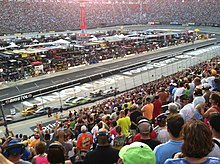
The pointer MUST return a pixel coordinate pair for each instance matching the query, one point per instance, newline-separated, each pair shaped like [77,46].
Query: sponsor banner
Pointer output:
[50,125]
[16,99]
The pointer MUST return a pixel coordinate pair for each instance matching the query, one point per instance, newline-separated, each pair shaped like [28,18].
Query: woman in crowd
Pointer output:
[197,145]
[41,157]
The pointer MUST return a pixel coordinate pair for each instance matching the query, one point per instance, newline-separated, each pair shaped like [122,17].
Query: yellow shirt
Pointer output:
[125,124]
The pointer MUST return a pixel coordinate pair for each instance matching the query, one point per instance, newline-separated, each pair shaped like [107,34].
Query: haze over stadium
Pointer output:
[109,81]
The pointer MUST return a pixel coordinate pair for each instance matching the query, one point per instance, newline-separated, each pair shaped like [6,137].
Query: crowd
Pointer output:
[43,15]
[171,120]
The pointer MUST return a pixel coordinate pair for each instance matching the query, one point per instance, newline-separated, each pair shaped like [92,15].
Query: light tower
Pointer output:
[83,15]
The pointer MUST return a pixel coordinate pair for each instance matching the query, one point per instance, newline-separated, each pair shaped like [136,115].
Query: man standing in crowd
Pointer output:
[164,151]
[144,127]
[135,113]
[67,146]
[214,122]
[104,153]
[84,140]
[148,109]
[124,122]
[187,111]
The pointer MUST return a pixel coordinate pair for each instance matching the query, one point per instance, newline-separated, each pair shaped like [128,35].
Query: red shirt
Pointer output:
[84,141]
[157,108]
[137,137]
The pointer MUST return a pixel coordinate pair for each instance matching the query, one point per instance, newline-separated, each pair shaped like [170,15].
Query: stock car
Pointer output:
[42,110]
[74,101]
[29,111]
[8,118]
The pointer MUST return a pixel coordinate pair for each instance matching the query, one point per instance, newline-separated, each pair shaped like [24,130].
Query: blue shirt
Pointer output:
[210,160]
[167,150]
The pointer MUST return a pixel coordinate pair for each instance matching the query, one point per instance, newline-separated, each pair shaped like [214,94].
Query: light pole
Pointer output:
[5,121]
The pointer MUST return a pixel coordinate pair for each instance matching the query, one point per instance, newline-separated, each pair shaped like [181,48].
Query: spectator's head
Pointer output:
[197,139]
[197,81]
[47,137]
[122,113]
[55,154]
[148,100]
[40,147]
[137,153]
[175,123]
[83,129]
[103,137]
[198,92]
[61,135]
[14,150]
[162,120]
[214,121]
[172,108]
[214,99]
[144,128]
[184,99]
[206,86]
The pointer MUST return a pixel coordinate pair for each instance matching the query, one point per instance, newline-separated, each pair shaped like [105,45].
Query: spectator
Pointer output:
[198,97]
[157,106]
[120,139]
[215,105]
[197,144]
[187,111]
[124,122]
[41,157]
[174,126]
[161,129]
[84,140]
[148,109]
[56,154]
[144,127]
[141,152]
[67,146]
[172,108]
[216,85]
[104,153]
[135,113]
[14,152]
[214,122]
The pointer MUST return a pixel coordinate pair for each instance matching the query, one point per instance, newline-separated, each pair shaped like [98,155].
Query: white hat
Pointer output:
[206,86]
[83,128]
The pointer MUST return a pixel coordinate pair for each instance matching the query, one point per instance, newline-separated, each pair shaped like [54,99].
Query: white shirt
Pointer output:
[198,100]
[187,112]
[215,151]
[178,93]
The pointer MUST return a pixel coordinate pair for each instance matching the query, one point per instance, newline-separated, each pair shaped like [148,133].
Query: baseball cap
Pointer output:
[15,147]
[137,152]
[161,116]
[206,86]
[83,128]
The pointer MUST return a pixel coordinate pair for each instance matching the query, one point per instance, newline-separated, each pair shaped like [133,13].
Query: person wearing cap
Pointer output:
[198,97]
[187,111]
[165,151]
[161,128]
[214,122]
[103,153]
[136,153]
[84,140]
[14,151]
[144,127]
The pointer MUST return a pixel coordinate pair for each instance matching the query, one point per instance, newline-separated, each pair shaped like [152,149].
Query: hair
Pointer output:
[55,153]
[216,98]
[175,123]
[197,139]
[173,108]
[40,147]
[214,121]
[118,129]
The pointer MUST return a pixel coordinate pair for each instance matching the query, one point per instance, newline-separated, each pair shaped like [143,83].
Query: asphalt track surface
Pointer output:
[90,71]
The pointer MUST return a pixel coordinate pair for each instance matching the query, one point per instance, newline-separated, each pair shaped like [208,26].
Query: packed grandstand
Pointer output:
[60,15]
[171,120]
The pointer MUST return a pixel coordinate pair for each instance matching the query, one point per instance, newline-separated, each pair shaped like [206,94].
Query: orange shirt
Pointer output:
[147,111]
[84,141]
